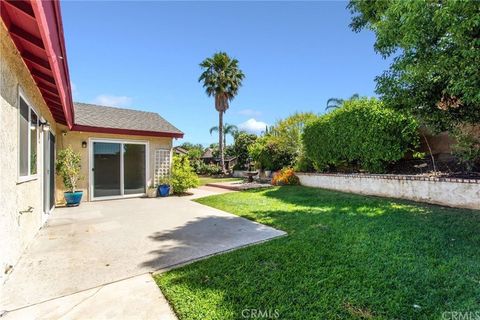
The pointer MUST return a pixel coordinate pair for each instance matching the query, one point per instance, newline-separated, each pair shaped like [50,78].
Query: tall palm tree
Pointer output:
[228,129]
[334,103]
[221,78]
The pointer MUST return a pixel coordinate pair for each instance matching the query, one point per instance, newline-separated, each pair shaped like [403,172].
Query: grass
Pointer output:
[345,257]
[205,180]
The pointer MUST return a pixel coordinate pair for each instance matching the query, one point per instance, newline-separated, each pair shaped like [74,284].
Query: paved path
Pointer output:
[99,244]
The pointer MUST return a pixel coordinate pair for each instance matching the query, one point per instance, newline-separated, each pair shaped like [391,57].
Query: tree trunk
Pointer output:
[220,140]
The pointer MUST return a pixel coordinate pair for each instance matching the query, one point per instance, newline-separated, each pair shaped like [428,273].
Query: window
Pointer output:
[28,132]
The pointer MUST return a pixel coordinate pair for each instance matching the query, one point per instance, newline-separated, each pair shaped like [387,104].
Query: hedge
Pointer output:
[362,133]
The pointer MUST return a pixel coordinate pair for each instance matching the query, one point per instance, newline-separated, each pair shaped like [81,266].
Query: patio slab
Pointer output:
[134,298]
[106,241]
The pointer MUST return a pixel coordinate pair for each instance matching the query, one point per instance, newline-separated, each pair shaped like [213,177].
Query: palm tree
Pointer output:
[335,103]
[230,129]
[222,78]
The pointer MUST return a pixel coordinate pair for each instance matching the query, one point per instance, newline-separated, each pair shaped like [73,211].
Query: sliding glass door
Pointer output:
[134,168]
[118,169]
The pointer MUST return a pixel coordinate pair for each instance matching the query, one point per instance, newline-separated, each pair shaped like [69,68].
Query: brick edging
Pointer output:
[391,177]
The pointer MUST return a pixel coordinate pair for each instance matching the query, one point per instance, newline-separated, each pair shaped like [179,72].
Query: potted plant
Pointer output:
[152,191]
[68,167]
[164,187]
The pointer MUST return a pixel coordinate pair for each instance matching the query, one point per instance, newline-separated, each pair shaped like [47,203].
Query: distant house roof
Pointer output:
[208,153]
[95,118]
[180,150]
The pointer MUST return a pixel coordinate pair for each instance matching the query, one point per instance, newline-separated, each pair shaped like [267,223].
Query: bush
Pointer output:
[68,167]
[271,154]
[202,168]
[467,147]
[361,133]
[183,176]
[286,176]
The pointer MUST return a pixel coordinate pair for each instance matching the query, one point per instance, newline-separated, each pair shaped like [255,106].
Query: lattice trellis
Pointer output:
[162,164]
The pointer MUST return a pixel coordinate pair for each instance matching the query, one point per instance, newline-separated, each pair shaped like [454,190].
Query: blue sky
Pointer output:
[145,55]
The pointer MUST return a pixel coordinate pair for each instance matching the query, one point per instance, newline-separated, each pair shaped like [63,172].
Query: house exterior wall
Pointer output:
[18,225]
[75,138]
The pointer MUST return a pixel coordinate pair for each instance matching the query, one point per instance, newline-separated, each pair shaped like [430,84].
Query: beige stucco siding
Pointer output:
[75,139]
[18,224]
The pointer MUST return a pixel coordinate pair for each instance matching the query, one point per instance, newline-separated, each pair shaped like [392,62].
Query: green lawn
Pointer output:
[205,180]
[345,257]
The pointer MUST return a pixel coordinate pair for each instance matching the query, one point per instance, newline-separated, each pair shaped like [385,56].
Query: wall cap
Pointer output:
[391,177]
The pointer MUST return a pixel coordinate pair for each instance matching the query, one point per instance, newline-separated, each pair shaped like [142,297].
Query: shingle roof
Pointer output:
[119,118]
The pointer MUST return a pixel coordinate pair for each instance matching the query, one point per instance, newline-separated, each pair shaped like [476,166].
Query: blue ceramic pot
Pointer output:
[73,198]
[164,190]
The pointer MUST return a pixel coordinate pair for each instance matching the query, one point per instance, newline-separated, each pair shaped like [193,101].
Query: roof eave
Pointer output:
[86,128]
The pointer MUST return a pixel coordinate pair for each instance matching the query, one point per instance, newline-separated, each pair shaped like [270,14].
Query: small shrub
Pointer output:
[68,167]
[467,148]
[362,133]
[183,176]
[286,176]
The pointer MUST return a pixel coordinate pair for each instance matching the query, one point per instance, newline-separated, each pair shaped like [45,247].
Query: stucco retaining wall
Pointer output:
[461,193]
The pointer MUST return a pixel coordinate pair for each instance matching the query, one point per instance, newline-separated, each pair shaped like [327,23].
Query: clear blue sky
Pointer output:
[145,55]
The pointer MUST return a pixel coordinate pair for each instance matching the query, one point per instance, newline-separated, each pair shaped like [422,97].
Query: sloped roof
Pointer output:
[120,120]
[208,153]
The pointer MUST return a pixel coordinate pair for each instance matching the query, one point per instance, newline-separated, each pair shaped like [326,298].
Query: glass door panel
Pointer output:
[106,169]
[134,168]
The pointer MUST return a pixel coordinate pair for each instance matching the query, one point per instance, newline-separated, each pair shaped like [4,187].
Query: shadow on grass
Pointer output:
[346,256]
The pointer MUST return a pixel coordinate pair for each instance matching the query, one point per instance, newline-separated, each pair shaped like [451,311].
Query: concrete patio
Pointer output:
[100,243]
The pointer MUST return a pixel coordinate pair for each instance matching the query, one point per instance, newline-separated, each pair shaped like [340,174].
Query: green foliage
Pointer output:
[288,133]
[436,44]
[282,145]
[362,132]
[240,148]
[68,167]
[183,177]
[210,169]
[467,148]
[335,103]
[271,154]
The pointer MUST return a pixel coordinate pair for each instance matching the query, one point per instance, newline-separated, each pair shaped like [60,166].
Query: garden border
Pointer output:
[453,192]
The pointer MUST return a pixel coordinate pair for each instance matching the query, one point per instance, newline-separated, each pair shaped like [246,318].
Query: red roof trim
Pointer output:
[77,127]
[49,21]
[35,27]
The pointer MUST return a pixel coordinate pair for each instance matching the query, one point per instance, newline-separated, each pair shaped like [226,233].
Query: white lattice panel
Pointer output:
[162,164]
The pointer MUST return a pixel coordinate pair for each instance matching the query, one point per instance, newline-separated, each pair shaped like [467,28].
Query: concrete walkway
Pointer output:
[90,249]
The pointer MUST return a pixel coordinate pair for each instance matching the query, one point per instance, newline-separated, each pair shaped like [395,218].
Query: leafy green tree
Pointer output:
[183,176]
[228,129]
[240,147]
[335,103]
[436,49]
[221,78]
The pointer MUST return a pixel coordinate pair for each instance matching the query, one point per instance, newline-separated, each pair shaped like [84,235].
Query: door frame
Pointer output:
[46,189]
[91,183]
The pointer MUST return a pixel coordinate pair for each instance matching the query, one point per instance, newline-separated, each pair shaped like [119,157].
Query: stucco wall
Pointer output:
[75,139]
[449,192]
[17,228]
